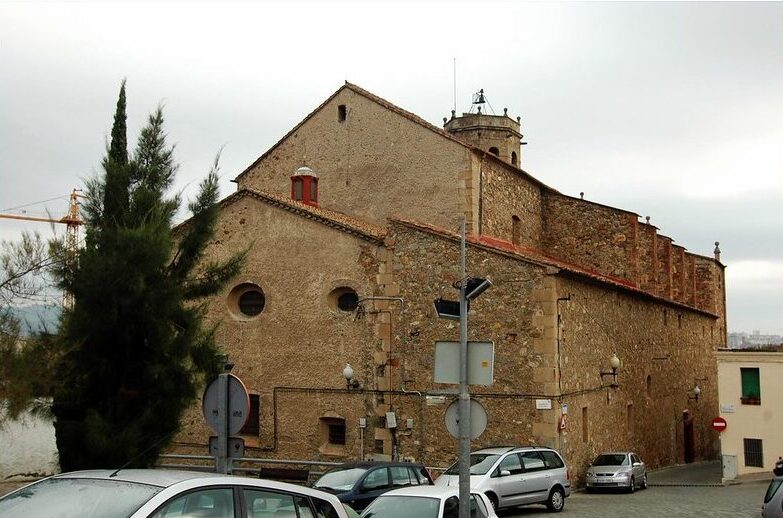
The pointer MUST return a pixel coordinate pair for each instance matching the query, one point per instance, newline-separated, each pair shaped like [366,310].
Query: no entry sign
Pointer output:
[719,424]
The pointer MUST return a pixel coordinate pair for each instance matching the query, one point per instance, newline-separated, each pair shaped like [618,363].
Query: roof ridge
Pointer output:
[334,218]
[400,111]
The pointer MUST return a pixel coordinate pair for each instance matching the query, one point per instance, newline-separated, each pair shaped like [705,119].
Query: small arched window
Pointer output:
[514,158]
[649,386]
[516,229]
[494,151]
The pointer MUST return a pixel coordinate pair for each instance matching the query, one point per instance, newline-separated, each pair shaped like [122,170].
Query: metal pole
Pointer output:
[464,396]
[221,464]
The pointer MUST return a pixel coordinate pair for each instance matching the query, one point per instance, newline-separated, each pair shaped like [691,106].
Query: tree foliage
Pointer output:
[134,348]
[25,361]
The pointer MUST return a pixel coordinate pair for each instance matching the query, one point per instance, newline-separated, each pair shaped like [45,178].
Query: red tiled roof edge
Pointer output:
[334,219]
[535,256]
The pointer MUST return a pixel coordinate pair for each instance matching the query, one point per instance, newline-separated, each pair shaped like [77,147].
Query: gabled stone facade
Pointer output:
[352,280]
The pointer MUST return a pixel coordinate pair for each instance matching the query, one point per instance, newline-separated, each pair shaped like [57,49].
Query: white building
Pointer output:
[750,392]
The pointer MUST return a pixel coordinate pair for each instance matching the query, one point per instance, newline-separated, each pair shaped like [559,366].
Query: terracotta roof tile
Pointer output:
[344,222]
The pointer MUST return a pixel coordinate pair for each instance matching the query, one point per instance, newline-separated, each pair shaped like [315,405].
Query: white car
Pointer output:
[426,502]
[148,493]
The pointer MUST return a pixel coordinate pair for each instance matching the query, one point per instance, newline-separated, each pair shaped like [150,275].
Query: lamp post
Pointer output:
[469,289]
[464,395]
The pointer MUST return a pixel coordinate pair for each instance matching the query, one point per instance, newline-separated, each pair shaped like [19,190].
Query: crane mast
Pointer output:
[73,221]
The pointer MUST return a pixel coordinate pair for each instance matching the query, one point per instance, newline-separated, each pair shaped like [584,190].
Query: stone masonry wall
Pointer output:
[662,357]
[593,236]
[300,340]
[373,165]
[506,194]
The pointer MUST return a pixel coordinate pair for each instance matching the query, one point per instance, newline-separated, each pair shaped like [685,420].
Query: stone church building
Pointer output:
[352,224]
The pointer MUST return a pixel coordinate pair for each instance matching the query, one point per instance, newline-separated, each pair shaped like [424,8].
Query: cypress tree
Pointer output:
[135,349]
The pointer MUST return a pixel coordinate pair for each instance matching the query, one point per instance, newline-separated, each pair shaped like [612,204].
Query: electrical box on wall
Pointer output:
[391,420]
[409,424]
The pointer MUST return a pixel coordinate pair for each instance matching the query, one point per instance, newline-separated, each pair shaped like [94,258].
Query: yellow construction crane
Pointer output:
[73,221]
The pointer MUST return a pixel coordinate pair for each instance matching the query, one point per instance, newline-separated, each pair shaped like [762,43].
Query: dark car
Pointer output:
[359,483]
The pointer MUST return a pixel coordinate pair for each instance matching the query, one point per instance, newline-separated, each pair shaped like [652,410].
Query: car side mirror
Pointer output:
[635,464]
[504,473]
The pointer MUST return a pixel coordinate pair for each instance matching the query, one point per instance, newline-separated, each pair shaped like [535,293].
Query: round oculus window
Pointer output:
[246,300]
[251,303]
[344,299]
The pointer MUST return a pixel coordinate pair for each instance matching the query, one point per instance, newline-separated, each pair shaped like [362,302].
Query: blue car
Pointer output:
[358,484]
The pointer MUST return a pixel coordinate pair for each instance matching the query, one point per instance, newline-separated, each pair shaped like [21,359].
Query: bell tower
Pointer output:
[497,134]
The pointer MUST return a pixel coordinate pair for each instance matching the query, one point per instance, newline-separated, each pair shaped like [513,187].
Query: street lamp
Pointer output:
[614,363]
[351,382]
[696,393]
[469,289]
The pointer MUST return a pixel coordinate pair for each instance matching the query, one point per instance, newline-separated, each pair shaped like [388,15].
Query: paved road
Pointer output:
[738,501]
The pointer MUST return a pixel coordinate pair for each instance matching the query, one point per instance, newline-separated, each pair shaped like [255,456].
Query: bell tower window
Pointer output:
[494,151]
[514,158]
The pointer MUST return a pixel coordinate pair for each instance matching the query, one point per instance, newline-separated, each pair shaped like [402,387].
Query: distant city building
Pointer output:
[752,341]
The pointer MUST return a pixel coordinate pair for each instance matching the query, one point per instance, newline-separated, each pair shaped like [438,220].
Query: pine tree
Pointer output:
[134,346]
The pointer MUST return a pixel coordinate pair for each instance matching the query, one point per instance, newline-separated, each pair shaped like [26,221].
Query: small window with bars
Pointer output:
[337,433]
[754,453]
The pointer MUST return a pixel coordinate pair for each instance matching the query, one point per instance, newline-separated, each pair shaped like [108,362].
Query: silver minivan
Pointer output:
[512,476]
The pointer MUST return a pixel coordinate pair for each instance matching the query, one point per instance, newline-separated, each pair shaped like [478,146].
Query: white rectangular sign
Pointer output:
[543,404]
[481,363]
[727,408]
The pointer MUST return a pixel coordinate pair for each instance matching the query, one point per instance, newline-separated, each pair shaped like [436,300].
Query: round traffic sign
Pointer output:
[237,404]
[718,424]
[478,418]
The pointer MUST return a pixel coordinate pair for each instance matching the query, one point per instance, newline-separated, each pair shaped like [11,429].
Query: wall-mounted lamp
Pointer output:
[351,382]
[696,393]
[614,363]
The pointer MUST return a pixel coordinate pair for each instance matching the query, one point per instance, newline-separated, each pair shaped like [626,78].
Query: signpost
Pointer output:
[719,424]
[226,405]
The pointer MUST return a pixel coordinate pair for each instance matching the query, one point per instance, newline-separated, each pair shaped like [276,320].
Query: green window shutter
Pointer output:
[751,387]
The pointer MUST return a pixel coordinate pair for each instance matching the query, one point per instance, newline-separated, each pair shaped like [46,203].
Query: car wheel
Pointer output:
[643,485]
[556,500]
[632,485]
[493,499]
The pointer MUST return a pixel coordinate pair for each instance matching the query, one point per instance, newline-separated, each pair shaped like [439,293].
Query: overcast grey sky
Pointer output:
[669,110]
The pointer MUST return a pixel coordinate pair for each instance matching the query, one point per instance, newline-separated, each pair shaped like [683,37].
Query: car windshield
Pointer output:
[77,498]
[611,459]
[772,489]
[341,479]
[388,506]
[480,464]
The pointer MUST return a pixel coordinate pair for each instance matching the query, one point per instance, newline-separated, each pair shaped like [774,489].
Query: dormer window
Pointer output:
[297,188]
[304,186]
